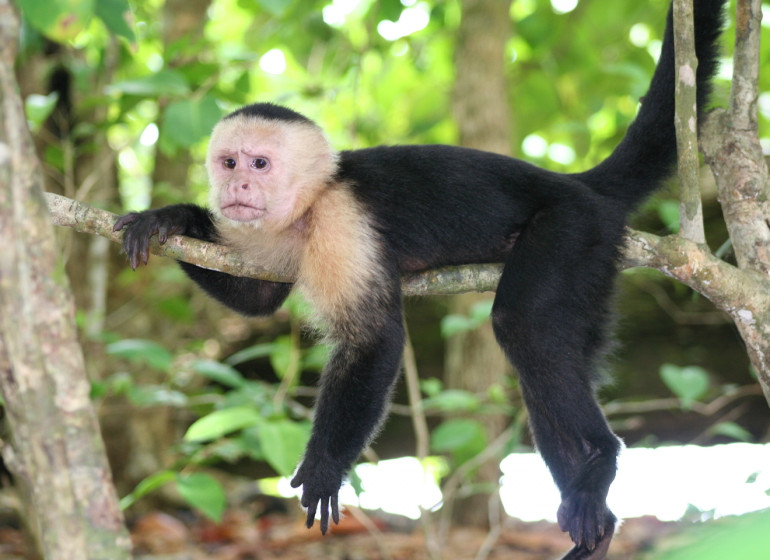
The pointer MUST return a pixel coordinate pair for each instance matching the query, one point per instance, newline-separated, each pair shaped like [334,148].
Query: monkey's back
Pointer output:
[439,205]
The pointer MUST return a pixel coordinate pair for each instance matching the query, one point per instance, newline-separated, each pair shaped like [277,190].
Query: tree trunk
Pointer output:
[474,361]
[56,452]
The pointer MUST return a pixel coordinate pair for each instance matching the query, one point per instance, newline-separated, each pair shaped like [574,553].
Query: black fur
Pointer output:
[270,111]
[559,236]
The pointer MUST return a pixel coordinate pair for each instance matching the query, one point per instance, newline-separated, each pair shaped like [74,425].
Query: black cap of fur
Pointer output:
[271,112]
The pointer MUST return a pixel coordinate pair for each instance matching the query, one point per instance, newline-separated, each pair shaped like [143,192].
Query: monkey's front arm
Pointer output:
[355,391]
[247,296]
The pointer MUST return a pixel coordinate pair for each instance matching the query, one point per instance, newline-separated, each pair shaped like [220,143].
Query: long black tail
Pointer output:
[647,154]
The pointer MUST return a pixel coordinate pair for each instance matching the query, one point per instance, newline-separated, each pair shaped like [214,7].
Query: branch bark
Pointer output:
[731,147]
[88,219]
[686,120]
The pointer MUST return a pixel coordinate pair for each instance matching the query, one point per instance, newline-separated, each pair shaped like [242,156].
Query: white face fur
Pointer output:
[266,173]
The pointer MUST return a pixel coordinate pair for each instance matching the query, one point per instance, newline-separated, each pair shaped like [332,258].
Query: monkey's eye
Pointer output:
[260,163]
[229,163]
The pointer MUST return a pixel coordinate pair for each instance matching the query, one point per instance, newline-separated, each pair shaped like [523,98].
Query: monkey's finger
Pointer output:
[144,250]
[123,221]
[311,514]
[335,510]
[131,249]
[324,515]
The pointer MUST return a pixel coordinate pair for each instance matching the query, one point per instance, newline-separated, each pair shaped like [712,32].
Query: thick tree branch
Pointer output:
[88,219]
[679,258]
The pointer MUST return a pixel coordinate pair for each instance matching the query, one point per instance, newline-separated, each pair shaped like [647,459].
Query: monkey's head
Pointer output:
[266,164]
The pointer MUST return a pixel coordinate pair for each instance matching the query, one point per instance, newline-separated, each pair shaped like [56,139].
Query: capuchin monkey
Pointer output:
[347,224]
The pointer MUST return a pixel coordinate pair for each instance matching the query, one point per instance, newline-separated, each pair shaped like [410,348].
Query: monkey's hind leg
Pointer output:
[549,316]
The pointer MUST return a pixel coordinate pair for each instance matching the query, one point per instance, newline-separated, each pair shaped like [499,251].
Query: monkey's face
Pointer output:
[266,173]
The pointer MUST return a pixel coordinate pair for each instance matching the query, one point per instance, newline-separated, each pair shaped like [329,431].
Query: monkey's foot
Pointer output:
[598,553]
[590,524]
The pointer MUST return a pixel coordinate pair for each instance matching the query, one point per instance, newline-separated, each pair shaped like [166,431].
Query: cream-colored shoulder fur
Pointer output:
[342,260]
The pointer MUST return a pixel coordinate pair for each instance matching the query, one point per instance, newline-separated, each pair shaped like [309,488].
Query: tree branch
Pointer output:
[686,122]
[676,257]
[87,219]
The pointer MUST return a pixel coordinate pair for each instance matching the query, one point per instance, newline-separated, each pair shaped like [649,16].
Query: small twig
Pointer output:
[453,483]
[292,369]
[679,316]
[495,525]
[372,529]
[704,409]
[422,435]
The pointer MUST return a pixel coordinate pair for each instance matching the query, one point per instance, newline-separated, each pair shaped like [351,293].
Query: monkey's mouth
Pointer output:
[242,212]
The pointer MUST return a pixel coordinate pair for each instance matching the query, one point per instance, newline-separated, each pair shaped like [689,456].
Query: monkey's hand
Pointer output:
[141,227]
[320,483]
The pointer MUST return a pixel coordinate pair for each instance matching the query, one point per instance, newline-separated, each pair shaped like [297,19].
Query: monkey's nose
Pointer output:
[245,186]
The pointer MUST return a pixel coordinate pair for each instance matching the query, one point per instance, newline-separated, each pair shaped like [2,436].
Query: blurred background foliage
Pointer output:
[121,96]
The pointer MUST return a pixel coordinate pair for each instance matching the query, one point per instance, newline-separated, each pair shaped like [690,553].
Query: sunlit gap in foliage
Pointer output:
[535,146]
[667,482]
[273,62]
[337,13]
[412,20]
[150,135]
[639,35]
[563,6]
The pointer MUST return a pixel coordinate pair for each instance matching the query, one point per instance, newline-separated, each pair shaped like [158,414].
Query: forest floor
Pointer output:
[277,536]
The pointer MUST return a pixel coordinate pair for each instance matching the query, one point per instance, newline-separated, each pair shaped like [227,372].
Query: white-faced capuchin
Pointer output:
[347,224]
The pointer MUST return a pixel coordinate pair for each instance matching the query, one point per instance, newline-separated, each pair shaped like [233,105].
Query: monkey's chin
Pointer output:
[242,213]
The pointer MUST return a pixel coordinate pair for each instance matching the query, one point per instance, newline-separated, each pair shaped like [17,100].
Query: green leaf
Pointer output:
[457,434]
[149,484]
[283,443]
[316,356]
[156,395]
[250,353]
[112,13]
[431,386]
[219,373]
[731,430]
[281,355]
[60,20]
[688,383]
[187,121]
[668,211]
[203,492]
[166,83]
[39,107]
[455,324]
[142,352]
[389,9]
[177,308]
[481,311]
[453,400]
[221,422]
[276,8]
